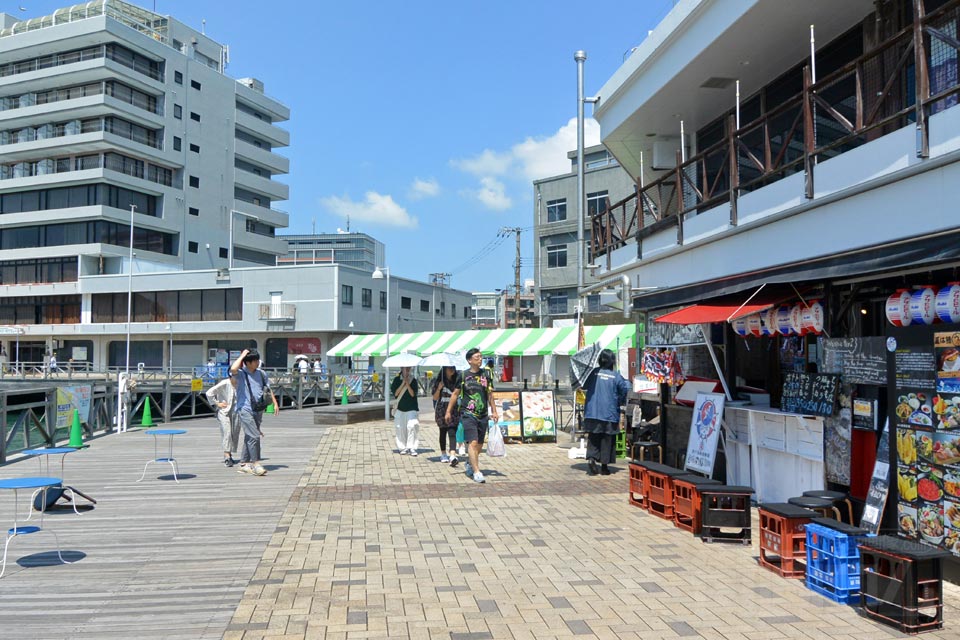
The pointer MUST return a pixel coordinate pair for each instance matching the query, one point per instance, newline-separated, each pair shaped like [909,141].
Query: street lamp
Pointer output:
[580,57]
[378,274]
[123,380]
[170,364]
[232,213]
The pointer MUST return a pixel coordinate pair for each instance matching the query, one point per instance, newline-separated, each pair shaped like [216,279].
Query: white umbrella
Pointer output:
[446,360]
[302,357]
[402,360]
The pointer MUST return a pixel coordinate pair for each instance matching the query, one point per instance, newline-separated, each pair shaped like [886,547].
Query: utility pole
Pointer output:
[505,231]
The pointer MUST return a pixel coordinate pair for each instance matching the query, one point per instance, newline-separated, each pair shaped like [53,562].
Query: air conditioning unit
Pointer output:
[665,153]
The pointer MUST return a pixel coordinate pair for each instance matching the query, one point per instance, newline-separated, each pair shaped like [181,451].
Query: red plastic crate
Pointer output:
[687,504]
[783,539]
[636,495]
[658,489]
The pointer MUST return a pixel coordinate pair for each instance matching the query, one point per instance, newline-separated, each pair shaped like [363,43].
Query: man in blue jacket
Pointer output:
[606,392]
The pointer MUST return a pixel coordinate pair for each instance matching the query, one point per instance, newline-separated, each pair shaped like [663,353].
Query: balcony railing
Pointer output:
[904,80]
[278,311]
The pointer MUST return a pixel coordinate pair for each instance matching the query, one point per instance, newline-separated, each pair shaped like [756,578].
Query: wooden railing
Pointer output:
[904,80]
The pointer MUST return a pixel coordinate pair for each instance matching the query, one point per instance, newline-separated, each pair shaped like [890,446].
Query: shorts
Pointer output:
[474,428]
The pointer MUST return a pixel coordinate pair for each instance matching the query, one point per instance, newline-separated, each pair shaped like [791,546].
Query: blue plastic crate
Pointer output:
[837,572]
[843,596]
[832,541]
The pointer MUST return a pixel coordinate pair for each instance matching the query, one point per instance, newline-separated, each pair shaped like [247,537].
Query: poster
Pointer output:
[538,417]
[704,433]
[353,384]
[947,351]
[70,398]
[879,486]
[508,406]
[837,437]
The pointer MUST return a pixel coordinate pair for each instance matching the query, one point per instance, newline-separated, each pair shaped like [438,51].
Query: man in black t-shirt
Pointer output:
[475,394]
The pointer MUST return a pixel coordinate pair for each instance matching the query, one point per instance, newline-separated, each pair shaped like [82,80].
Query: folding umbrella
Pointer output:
[402,360]
[444,359]
[583,363]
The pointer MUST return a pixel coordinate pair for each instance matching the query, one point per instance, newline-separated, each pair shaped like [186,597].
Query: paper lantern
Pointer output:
[740,327]
[769,318]
[948,303]
[754,325]
[796,319]
[812,317]
[783,321]
[898,308]
[923,306]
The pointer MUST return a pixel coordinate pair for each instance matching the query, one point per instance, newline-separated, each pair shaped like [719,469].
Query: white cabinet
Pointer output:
[779,454]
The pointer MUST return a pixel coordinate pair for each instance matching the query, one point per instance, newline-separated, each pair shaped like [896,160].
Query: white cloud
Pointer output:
[492,194]
[375,208]
[424,188]
[532,159]
[488,163]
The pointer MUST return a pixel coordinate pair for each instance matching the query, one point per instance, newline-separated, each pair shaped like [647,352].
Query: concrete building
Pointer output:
[116,122]
[485,310]
[555,229]
[352,249]
[507,302]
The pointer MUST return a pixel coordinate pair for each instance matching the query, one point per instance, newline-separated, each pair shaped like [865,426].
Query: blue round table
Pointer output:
[169,457]
[43,456]
[16,484]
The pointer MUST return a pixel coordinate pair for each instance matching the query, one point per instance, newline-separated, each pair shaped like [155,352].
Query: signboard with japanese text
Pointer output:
[704,433]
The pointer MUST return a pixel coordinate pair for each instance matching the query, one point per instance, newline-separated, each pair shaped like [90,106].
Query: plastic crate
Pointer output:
[620,444]
[783,539]
[723,508]
[843,596]
[636,496]
[833,562]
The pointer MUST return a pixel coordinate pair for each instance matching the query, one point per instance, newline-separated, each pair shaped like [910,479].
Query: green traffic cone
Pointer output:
[343,396]
[147,419]
[76,433]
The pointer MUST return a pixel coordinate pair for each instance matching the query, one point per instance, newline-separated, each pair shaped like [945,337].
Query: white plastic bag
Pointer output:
[495,446]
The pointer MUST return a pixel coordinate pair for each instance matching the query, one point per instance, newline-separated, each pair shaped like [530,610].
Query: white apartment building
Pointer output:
[115,120]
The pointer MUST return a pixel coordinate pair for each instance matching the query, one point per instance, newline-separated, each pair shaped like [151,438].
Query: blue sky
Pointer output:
[425,121]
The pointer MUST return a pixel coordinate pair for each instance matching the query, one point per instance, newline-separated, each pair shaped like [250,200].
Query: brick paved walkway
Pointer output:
[374,545]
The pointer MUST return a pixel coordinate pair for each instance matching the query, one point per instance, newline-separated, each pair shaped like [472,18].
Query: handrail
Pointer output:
[825,119]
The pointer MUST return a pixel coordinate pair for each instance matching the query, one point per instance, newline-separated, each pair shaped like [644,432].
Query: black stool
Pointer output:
[640,449]
[820,505]
[836,497]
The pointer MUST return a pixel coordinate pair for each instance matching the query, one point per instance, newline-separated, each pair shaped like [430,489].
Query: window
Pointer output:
[195,116]
[366,298]
[556,210]
[443,309]
[195,183]
[557,303]
[597,202]
[195,148]
[178,112]
[383,300]
[425,306]
[193,247]
[405,302]
[466,312]
[224,253]
[346,294]
[178,77]
[593,303]
[556,256]
[453,310]
[193,211]
[195,85]
[177,143]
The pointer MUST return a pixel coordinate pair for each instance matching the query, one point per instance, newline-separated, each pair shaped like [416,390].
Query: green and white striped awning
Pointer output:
[502,342]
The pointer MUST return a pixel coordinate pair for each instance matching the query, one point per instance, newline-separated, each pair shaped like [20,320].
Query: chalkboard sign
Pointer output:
[879,486]
[809,393]
[858,360]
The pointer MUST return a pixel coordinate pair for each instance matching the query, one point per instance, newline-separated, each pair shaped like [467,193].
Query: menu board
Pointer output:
[508,406]
[925,407]
[538,416]
[879,486]
[809,393]
[837,443]
[858,360]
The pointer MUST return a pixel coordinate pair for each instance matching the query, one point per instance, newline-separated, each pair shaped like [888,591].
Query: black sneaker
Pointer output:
[604,470]
[228,462]
[591,467]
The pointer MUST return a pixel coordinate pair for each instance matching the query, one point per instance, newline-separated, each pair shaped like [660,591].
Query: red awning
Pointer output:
[699,313]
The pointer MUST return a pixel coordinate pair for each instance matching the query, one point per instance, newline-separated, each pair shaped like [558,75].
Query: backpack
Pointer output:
[52,494]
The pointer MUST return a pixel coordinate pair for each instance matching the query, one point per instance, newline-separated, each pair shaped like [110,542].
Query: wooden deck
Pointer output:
[153,559]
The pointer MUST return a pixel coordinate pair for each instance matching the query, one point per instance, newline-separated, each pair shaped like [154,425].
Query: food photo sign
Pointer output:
[508,406]
[925,403]
[539,420]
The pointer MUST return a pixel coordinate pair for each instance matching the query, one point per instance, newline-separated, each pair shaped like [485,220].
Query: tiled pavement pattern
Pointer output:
[375,545]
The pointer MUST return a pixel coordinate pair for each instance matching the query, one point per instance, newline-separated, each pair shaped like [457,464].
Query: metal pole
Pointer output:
[386,375]
[580,57]
[230,262]
[170,364]
[133,209]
